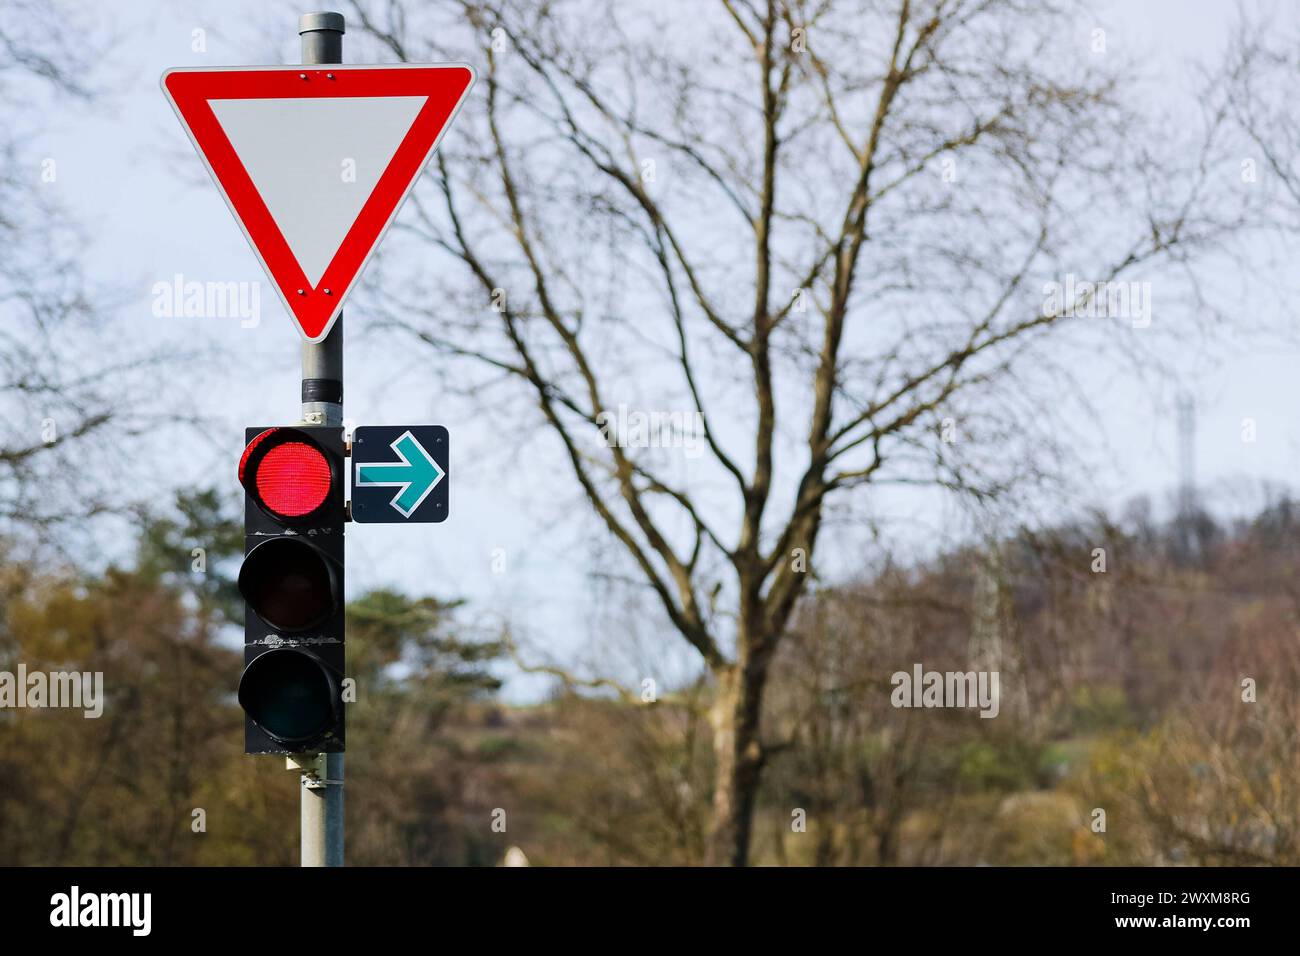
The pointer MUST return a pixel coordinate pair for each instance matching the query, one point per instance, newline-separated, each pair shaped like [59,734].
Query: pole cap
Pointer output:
[324,21]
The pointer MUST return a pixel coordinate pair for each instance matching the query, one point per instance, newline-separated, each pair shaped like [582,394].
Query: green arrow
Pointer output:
[416,475]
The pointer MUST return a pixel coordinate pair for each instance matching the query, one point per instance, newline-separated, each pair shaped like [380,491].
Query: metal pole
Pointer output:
[322,362]
[321,808]
[313,817]
[322,403]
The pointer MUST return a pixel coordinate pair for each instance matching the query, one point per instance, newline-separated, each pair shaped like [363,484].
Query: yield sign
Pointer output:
[314,162]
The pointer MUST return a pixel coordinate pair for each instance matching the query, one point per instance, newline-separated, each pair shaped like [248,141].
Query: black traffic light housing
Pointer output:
[292,583]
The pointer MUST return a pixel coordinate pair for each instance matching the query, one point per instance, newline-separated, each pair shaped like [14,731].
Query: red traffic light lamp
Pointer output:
[291,476]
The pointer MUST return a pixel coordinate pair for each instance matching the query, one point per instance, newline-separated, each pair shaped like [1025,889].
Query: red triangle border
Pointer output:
[192,89]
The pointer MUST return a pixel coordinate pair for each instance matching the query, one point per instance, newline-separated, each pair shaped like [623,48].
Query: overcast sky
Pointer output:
[129,174]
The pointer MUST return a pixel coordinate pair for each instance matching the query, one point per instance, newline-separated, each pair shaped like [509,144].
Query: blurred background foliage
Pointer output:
[1136,710]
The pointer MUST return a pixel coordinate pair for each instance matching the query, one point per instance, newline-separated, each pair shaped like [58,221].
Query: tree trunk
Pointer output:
[738,756]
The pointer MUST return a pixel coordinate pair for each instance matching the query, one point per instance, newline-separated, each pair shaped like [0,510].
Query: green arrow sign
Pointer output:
[415,475]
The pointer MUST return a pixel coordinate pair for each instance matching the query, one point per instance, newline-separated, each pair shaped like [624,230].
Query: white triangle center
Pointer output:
[315,161]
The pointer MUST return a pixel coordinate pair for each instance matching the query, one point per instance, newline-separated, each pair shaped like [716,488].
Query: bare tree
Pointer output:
[826,228]
[66,385]
[1261,70]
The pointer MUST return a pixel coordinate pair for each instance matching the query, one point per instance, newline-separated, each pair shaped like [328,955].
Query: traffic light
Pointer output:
[292,583]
